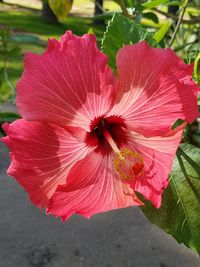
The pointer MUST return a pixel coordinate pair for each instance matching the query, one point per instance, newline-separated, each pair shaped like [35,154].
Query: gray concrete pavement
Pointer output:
[123,238]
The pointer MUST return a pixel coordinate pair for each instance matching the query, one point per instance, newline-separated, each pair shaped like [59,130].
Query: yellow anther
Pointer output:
[128,163]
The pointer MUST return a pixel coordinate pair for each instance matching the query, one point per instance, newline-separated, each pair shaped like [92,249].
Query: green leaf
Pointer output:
[105,16]
[174,3]
[159,35]
[152,16]
[5,91]
[196,137]
[128,3]
[197,68]
[61,8]
[90,30]
[14,51]
[7,117]
[122,31]
[154,3]
[179,214]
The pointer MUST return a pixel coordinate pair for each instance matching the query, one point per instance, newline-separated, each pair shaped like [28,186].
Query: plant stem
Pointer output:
[6,77]
[5,62]
[124,9]
[179,22]
[185,21]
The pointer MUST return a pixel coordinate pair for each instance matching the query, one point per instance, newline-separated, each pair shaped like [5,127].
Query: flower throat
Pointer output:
[109,134]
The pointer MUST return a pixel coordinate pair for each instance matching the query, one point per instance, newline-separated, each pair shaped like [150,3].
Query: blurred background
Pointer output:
[27,25]
[123,238]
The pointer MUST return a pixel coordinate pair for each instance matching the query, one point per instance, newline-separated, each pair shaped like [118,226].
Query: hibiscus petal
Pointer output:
[92,187]
[71,81]
[154,89]
[158,154]
[42,155]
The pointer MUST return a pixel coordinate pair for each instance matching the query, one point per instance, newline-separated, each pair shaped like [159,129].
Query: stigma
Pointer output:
[128,164]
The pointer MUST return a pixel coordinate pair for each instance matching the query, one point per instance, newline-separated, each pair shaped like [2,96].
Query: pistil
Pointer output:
[110,141]
[127,163]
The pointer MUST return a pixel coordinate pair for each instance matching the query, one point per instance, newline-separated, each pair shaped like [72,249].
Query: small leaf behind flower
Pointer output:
[123,31]
[7,117]
[197,68]
[179,214]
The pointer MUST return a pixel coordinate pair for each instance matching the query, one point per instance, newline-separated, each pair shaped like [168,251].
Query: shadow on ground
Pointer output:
[123,238]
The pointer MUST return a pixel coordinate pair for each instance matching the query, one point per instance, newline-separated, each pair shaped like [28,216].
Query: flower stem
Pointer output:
[179,22]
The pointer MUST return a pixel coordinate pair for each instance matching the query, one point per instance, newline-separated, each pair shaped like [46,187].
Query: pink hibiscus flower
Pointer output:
[89,140]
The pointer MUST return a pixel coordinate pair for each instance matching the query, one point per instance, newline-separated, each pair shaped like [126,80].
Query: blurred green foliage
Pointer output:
[28,31]
[61,8]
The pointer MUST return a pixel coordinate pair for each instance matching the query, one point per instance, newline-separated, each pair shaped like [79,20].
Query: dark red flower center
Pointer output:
[113,126]
[110,134]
